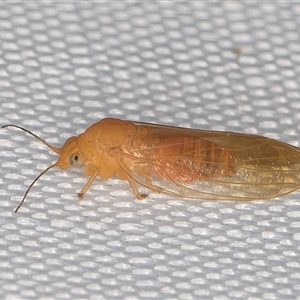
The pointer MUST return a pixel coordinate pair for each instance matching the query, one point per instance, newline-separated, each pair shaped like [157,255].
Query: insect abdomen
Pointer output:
[189,159]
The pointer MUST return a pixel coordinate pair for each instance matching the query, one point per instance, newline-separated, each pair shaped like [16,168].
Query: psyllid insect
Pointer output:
[183,162]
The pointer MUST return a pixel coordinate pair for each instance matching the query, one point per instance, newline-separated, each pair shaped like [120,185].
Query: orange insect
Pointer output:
[179,161]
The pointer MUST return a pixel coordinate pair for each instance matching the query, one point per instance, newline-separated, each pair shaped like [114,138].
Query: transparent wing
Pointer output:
[210,165]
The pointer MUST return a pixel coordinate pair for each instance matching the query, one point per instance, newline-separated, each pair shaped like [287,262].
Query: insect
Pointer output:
[183,162]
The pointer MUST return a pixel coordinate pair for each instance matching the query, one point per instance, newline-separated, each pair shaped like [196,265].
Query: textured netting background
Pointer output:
[222,66]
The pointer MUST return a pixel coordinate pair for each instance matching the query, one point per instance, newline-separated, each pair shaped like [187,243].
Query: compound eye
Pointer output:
[75,160]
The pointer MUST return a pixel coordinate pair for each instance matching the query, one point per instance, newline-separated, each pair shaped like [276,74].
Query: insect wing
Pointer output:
[210,165]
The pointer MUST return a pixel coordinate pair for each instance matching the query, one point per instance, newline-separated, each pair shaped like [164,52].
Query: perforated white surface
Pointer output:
[230,66]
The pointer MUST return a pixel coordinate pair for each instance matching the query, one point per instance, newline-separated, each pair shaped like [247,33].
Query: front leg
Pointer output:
[87,186]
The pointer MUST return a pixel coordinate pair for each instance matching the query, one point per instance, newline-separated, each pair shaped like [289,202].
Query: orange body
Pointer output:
[184,162]
[145,149]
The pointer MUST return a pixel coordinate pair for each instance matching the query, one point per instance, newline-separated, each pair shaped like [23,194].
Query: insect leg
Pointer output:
[86,187]
[135,189]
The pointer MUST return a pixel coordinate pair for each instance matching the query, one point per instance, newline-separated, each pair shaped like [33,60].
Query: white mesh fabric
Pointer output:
[223,66]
